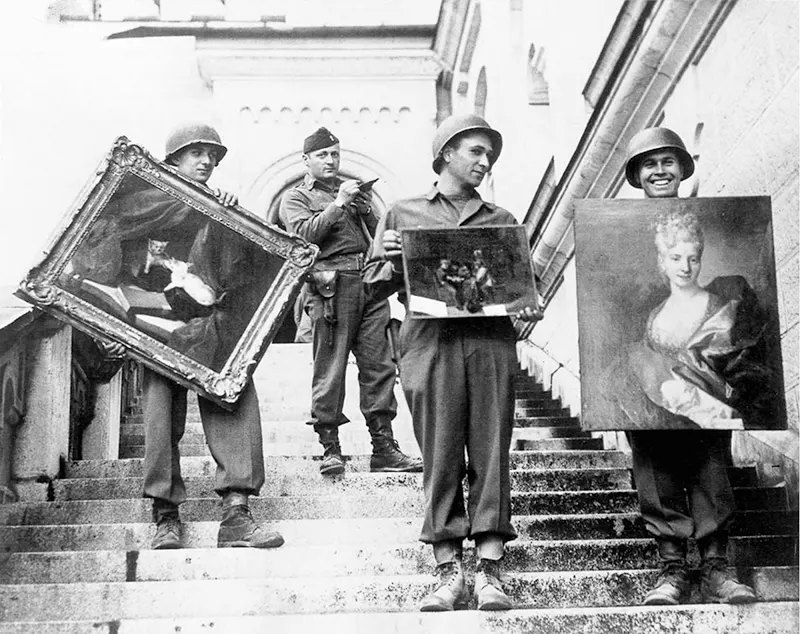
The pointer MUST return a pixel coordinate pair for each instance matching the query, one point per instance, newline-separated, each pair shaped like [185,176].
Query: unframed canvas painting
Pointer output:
[678,314]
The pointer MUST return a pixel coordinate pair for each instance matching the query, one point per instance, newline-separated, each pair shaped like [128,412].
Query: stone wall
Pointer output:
[737,109]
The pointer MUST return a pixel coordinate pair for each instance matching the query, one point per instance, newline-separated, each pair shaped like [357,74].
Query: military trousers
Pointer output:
[234,439]
[457,376]
[360,327]
[682,481]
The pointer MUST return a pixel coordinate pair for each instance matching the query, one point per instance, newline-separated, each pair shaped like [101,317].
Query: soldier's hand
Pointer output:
[229,199]
[393,247]
[347,193]
[525,320]
[111,349]
[363,203]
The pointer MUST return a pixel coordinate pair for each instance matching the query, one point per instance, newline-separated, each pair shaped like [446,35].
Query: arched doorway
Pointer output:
[289,172]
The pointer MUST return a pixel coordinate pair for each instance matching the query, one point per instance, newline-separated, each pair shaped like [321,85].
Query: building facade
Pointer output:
[566,83]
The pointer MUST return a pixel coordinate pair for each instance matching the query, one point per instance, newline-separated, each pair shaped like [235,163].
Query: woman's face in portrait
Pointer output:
[681,264]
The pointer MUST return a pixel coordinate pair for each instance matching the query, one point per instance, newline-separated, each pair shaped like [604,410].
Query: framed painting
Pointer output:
[678,314]
[150,259]
[468,271]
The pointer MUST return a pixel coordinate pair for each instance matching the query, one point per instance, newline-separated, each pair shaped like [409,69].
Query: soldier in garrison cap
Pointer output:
[338,217]
[457,375]
[671,467]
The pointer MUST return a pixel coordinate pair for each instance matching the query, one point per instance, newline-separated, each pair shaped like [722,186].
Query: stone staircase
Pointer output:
[352,562]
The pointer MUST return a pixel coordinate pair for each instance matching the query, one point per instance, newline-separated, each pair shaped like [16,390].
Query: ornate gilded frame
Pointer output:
[288,257]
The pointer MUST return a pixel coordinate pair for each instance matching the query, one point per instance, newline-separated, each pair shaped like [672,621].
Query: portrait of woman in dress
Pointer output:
[701,362]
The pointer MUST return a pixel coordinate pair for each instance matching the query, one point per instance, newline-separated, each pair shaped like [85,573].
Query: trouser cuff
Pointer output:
[489,547]
[234,498]
[446,551]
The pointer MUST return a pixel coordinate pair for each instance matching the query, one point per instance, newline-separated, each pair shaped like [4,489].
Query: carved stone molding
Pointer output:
[656,56]
[284,64]
[277,114]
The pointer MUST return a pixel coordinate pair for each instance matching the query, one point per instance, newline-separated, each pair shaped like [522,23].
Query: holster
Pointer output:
[324,284]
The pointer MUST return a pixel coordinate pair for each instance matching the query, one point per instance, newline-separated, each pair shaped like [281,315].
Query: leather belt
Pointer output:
[347,262]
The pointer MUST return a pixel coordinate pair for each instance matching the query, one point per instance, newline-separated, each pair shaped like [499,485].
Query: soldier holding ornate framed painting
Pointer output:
[192,286]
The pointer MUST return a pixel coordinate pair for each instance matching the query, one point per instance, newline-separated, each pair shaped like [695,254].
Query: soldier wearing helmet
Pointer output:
[153,237]
[457,375]
[671,467]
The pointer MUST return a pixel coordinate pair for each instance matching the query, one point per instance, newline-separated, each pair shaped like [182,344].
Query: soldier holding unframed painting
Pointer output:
[681,476]
[457,376]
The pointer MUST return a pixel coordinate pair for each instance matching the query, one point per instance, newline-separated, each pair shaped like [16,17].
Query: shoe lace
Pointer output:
[168,523]
[490,570]
[672,572]
[447,573]
[718,567]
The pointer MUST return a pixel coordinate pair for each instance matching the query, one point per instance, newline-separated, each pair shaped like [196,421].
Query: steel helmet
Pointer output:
[192,133]
[455,125]
[651,139]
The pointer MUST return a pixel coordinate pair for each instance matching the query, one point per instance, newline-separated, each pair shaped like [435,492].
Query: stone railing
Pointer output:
[38,384]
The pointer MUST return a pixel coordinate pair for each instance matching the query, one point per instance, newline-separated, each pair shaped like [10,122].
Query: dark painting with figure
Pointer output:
[149,258]
[170,271]
[468,272]
[678,314]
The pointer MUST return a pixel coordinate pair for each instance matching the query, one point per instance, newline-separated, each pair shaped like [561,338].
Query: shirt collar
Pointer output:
[309,182]
[434,192]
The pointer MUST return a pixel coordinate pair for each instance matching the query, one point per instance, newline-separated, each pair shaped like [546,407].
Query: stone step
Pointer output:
[541,410]
[386,593]
[548,433]
[779,617]
[208,562]
[305,443]
[388,504]
[537,399]
[293,484]
[547,421]
[555,444]
[306,465]
[363,531]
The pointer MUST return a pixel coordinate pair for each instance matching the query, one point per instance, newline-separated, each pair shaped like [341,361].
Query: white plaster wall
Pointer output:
[65,95]
[387,121]
[572,34]
[745,91]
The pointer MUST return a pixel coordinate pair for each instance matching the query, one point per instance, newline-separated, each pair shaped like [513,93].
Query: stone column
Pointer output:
[42,440]
[101,437]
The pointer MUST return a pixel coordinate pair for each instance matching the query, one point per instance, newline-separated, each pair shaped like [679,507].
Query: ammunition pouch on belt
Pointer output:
[324,284]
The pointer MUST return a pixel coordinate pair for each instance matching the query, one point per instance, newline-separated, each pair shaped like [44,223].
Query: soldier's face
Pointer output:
[323,164]
[470,159]
[197,161]
[660,174]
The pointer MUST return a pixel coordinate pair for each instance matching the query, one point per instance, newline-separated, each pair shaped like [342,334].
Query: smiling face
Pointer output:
[681,263]
[323,164]
[660,174]
[197,161]
[469,159]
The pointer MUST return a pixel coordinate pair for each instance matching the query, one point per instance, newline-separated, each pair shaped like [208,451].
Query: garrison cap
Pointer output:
[322,138]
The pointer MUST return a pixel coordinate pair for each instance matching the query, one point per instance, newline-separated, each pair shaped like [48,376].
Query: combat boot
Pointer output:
[717,583]
[332,461]
[386,454]
[489,591]
[168,526]
[450,592]
[673,581]
[238,529]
